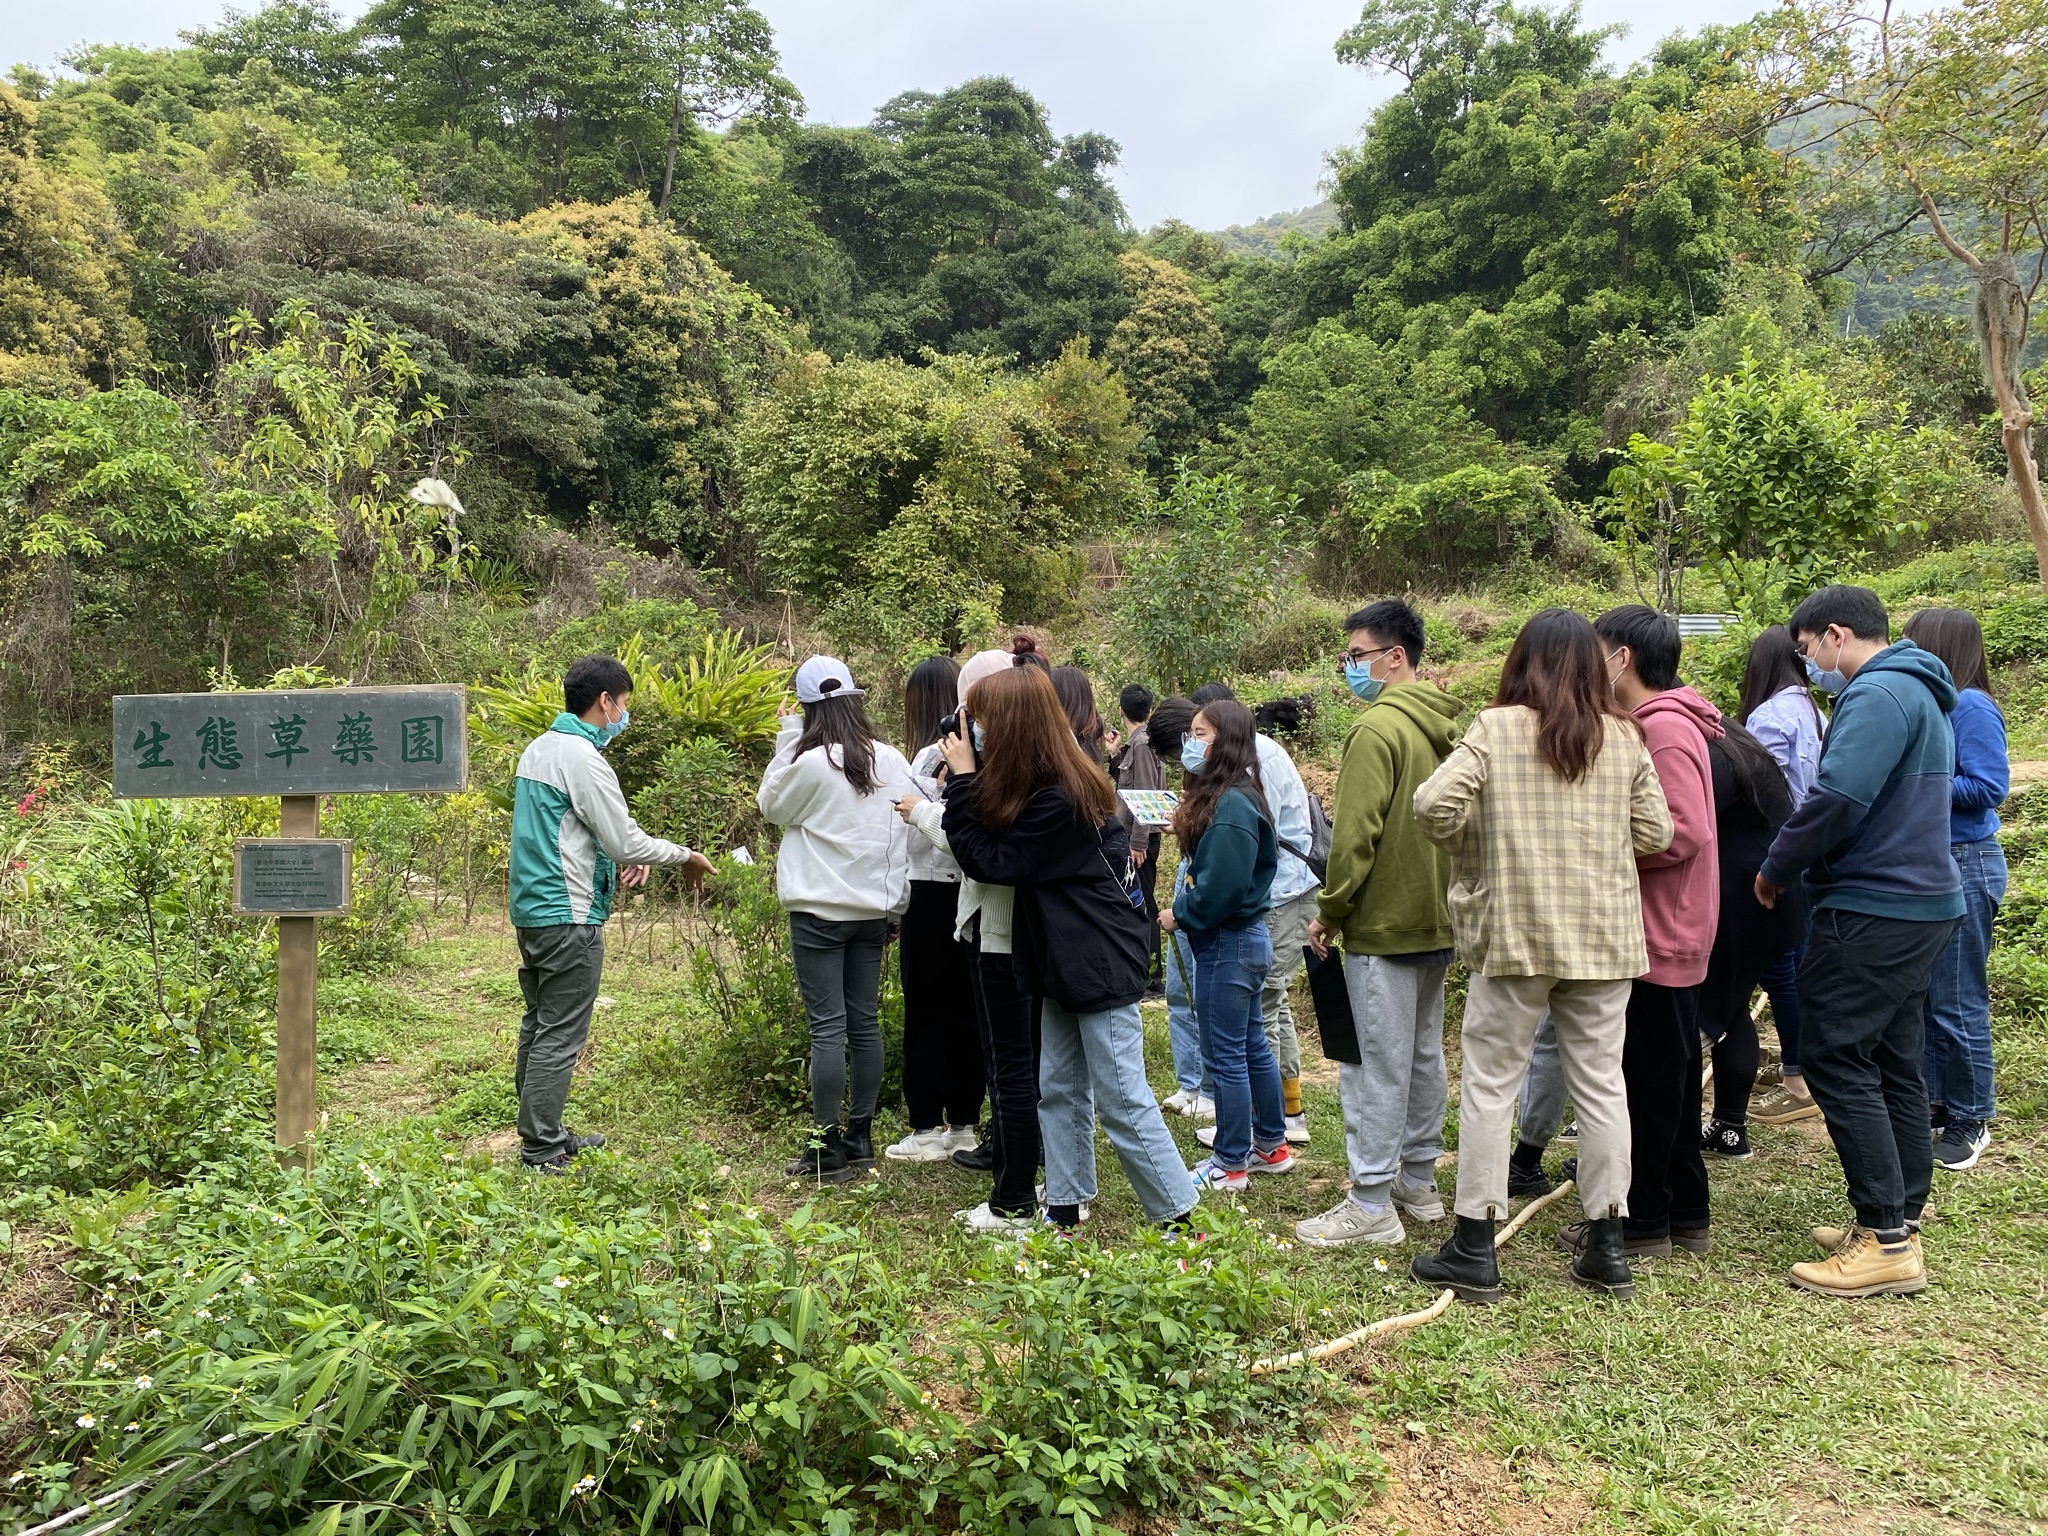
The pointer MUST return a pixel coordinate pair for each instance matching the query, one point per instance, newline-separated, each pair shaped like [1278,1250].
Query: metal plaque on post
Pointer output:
[319,741]
[294,876]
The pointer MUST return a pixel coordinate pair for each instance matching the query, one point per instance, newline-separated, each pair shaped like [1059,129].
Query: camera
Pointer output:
[960,723]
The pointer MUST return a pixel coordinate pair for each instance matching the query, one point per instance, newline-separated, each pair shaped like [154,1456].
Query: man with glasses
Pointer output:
[1383,895]
[1872,842]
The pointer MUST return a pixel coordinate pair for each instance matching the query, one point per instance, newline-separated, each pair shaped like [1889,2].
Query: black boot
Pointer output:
[824,1161]
[1464,1264]
[980,1158]
[858,1143]
[1526,1178]
[1600,1263]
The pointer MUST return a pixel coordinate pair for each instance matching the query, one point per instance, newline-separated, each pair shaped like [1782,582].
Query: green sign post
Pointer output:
[297,745]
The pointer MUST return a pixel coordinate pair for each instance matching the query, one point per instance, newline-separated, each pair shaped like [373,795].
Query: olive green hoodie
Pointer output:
[1384,890]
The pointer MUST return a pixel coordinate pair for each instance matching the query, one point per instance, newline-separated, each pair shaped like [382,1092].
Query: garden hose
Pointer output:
[1406,1320]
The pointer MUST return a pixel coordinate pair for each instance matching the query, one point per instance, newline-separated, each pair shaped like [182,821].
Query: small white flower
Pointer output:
[104,1363]
[144,1383]
[778,1357]
[248,1280]
[669,1334]
[604,1319]
[587,1484]
[17,1478]
[154,1333]
[202,1312]
[85,1421]
[131,1427]
[704,1243]
[561,1282]
[280,1220]
[636,1426]
[1380,1265]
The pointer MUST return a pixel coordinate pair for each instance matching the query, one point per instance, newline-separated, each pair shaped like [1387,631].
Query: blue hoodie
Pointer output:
[1873,836]
[1983,775]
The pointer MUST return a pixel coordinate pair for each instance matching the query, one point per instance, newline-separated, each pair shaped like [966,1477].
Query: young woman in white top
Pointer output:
[843,873]
[942,1072]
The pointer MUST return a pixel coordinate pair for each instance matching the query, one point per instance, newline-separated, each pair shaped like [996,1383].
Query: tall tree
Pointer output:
[1948,107]
[718,61]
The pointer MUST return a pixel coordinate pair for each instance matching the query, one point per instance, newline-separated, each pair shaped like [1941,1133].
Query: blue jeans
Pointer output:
[1184,1034]
[1958,1063]
[1230,972]
[1090,1065]
[1781,986]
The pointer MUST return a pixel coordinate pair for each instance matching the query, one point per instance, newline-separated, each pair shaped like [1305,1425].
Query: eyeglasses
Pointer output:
[1359,658]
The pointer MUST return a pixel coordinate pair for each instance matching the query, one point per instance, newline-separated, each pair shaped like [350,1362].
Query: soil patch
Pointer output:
[1437,1488]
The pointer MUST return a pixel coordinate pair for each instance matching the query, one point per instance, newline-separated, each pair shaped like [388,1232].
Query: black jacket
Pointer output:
[1076,937]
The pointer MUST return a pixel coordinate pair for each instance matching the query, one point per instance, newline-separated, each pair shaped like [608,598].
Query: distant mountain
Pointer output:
[1263,238]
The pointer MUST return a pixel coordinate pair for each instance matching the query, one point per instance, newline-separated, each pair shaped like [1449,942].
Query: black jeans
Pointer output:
[839,972]
[942,1077]
[1009,1044]
[1745,950]
[1660,1062]
[1863,1038]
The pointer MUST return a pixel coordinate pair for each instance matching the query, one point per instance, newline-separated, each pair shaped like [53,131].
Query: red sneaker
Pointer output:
[1279,1160]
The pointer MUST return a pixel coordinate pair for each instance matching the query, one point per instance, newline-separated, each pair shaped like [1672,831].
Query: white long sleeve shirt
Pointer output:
[844,856]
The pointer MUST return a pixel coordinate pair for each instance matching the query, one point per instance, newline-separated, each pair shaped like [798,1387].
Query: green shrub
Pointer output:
[1714,664]
[2017,630]
[428,1343]
[1302,636]
[701,794]
[1437,534]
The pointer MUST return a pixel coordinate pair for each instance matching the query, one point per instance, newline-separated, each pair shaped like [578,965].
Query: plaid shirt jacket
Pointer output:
[1543,872]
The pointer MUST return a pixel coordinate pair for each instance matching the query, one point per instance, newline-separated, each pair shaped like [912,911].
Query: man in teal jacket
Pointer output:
[1871,840]
[571,832]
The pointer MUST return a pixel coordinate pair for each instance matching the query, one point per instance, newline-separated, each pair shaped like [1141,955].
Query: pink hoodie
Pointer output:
[1682,885]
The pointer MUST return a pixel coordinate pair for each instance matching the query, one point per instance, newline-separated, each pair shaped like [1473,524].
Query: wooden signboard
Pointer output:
[297,744]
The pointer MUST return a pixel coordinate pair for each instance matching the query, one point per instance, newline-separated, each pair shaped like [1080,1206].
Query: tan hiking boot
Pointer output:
[1781,1108]
[1863,1266]
[1830,1238]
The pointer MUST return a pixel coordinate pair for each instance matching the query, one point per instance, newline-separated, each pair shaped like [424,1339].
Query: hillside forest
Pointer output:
[457,340]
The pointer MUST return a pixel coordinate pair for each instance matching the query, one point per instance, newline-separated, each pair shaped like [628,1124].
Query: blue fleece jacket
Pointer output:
[1983,776]
[1873,836]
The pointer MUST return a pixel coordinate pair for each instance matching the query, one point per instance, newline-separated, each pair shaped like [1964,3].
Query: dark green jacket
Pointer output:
[1229,879]
[1384,889]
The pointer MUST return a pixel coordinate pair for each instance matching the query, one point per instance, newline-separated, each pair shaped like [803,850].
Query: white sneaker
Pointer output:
[986,1223]
[1203,1108]
[1420,1201]
[1297,1130]
[1348,1222]
[1176,1103]
[961,1138]
[932,1146]
[1206,1135]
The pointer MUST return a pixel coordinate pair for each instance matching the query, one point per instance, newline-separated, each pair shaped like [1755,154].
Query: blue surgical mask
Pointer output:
[1829,682]
[607,734]
[1360,680]
[974,730]
[1193,753]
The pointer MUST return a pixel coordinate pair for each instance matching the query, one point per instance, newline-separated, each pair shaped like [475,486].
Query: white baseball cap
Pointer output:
[825,677]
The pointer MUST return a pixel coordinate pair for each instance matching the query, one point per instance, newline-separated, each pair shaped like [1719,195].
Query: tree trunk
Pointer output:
[675,132]
[2014,421]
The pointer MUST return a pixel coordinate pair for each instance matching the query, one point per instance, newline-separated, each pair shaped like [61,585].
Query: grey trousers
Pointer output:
[1395,1097]
[1591,1020]
[1540,1113]
[1287,924]
[559,971]
[839,972]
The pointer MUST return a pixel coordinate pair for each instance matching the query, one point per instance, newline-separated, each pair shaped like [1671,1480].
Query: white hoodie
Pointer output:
[844,857]
[993,902]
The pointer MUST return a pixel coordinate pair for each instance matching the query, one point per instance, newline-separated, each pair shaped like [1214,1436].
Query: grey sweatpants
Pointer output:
[1395,1097]
[1287,924]
[559,971]
[839,972]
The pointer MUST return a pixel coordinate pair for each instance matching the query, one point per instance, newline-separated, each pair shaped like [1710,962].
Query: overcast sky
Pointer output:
[1224,108]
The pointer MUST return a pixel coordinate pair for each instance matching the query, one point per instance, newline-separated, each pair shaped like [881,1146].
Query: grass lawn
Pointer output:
[1719,1400]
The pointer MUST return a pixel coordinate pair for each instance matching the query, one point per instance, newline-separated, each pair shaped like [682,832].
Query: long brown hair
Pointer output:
[1957,641]
[1774,666]
[1558,668]
[928,697]
[1027,746]
[1232,762]
[1077,698]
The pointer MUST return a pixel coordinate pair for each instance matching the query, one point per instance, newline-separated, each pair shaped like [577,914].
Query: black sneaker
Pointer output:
[1725,1140]
[1937,1117]
[1963,1141]
[554,1167]
[980,1158]
[588,1143]
[1570,1169]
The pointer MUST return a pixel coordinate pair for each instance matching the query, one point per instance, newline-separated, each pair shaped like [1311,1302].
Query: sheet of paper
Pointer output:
[1151,807]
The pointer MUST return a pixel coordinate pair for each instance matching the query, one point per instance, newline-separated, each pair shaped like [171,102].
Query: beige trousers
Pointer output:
[1500,1027]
